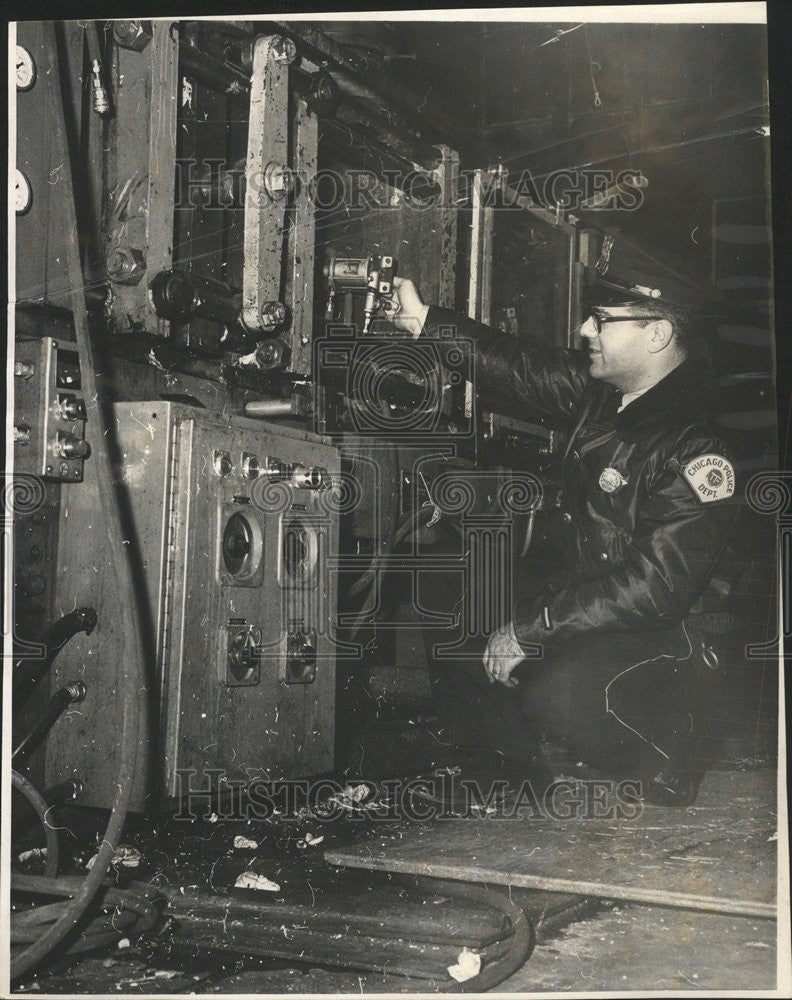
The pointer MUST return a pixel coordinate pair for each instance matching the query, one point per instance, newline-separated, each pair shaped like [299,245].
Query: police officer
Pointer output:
[598,654]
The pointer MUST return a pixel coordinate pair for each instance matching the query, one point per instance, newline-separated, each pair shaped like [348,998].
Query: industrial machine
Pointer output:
[268,444]
[237,488]
[235,522]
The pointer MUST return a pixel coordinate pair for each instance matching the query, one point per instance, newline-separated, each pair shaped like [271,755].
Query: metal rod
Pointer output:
[270,408]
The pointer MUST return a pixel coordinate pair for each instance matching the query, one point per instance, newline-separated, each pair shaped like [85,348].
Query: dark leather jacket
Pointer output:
[640,539]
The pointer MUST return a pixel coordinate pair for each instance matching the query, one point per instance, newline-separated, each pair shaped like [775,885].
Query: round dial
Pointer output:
[23,195]
[237,544]
[25,69]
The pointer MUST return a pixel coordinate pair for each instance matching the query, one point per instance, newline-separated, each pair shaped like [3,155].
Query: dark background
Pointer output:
[681,121]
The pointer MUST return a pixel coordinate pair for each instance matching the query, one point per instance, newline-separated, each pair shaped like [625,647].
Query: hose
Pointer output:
[523,937]
[39,803]
[133,911]
[28,672]
[131,656]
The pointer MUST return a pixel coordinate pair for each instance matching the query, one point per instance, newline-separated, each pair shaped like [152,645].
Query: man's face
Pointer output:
[619,347]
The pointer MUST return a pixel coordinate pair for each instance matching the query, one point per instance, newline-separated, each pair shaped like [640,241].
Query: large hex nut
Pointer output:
[133,35]
[272,314]
[278,180]
[125,265]
[284,50]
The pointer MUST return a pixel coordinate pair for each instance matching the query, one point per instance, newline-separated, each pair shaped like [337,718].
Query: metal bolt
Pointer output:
[133,35]
[35,586]
[272,314]
[125,265]
[77,690]
[24,369]
[21,434]
[278,180]
[64,469]
[284,50]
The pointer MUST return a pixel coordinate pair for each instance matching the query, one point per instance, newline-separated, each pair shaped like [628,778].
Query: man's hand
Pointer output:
[405,307]
[502,655]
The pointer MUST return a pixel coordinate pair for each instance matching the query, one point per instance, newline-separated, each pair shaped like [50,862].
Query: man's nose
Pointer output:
[589,328]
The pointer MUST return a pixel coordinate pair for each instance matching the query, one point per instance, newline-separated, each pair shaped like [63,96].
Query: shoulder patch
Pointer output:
[711,477]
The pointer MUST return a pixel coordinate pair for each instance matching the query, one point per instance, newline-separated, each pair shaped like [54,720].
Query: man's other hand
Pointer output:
[405,308]
[502,655]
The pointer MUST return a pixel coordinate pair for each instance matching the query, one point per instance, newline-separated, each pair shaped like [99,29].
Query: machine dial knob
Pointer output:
[71,446]
[308,477]
[223,465]
[72,408]
[251,467]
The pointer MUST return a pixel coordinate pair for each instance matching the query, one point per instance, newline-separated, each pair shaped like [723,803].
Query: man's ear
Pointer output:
[661,333]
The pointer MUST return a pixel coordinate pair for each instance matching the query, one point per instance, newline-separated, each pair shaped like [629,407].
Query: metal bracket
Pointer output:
[268,182]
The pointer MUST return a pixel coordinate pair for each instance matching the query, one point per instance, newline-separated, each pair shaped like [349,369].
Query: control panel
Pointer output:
[49,421]
[237,525]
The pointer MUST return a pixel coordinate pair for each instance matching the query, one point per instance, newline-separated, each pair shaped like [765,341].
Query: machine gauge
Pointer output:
[237,543]
[23,194]
[25,69]
[241,550]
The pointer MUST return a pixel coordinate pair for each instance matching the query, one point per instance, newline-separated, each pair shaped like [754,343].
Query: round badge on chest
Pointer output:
[610,480]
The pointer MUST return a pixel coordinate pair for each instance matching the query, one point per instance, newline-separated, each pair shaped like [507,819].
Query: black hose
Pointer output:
[29,671]
[131,655]
[39,803]
[523,936]
[134,910]
[53,710]
[94,43]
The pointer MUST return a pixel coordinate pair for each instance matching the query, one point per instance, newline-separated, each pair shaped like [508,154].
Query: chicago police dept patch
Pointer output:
[711,477]
[610,480]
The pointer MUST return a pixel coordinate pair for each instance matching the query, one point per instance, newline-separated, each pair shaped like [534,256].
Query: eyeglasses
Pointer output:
[600,321]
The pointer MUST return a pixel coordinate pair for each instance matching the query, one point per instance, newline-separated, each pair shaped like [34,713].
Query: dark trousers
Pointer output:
[610,698]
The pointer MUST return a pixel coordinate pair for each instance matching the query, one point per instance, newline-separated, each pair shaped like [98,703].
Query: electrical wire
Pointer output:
[523,933]
[132,678]
[40,804]
[94,44]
